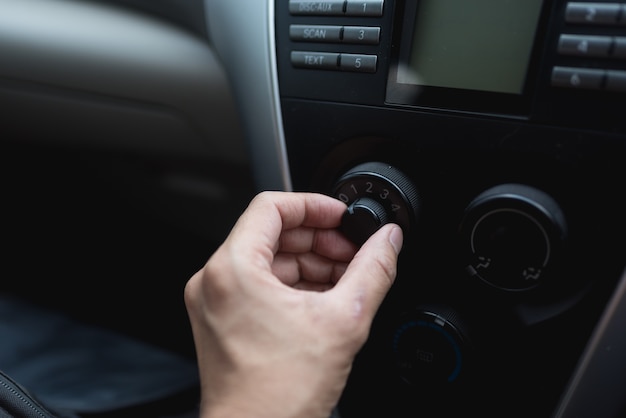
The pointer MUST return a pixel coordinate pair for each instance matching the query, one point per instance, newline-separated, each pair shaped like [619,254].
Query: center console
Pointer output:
[494,134]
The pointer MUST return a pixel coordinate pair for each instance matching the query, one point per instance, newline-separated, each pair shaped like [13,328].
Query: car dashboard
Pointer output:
[492,132]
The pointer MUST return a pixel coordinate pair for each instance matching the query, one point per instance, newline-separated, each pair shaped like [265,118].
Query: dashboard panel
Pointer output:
[492,132]
[498,144]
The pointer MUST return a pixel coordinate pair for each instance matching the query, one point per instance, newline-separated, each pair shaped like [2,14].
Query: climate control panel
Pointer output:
[508,194]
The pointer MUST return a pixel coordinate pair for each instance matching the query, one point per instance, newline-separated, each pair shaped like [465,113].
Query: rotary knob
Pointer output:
[511,234]
[376,194]
[431,347]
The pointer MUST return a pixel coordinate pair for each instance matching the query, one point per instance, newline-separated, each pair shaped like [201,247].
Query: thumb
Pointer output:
[372,271]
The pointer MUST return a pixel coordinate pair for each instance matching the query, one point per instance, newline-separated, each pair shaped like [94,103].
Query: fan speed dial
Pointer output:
[376,194]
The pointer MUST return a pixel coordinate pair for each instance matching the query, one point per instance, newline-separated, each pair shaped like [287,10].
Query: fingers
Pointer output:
[271,210]
[328,243]
[371,273]
[258,230]
[310,209]
[293,269]
[292,236]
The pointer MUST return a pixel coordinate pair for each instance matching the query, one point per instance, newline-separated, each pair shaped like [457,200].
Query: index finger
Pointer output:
[277,211]
[259,228]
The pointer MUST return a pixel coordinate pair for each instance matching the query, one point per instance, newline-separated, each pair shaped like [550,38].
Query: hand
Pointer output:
[282,307]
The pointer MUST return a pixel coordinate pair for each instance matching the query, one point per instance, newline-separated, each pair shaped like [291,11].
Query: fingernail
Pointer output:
[396,238]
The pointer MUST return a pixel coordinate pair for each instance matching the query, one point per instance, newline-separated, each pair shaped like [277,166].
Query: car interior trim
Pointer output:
[241,39]
[598,382]
[115,58]
[280,134]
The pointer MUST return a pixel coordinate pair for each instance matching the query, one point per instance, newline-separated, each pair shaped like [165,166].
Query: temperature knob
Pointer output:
[376,193]
[511,233]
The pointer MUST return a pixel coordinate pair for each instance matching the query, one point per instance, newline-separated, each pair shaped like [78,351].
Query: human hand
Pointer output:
[282,307]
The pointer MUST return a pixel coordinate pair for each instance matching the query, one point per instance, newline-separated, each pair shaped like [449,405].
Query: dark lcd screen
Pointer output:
[456,48]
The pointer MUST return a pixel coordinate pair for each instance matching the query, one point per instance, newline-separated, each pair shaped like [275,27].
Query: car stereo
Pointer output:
[493,132]
[538,59]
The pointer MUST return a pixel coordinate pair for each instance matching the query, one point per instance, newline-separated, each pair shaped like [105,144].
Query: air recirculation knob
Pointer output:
[511,235]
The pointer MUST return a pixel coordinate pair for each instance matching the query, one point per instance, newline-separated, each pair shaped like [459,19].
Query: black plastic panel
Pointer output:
[516,350]
[518,336]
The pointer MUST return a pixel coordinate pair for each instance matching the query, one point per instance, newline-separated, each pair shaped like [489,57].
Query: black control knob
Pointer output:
[376,194]
[432,347]
[362,218]
[511,234]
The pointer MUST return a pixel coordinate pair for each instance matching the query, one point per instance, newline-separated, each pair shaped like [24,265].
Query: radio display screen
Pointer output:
[464,49]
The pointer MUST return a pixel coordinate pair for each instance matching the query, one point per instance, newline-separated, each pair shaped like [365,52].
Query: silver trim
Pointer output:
[242,33]
[598,385]
[278,116]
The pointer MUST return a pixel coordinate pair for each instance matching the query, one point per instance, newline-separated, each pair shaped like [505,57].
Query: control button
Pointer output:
[616,80]
[315,60]
[581,78]
[592,13]
[619,47]
[364,8]
[585,45]
[366,35]
[311,8]
[358,62]
[361,35]
[315,33]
